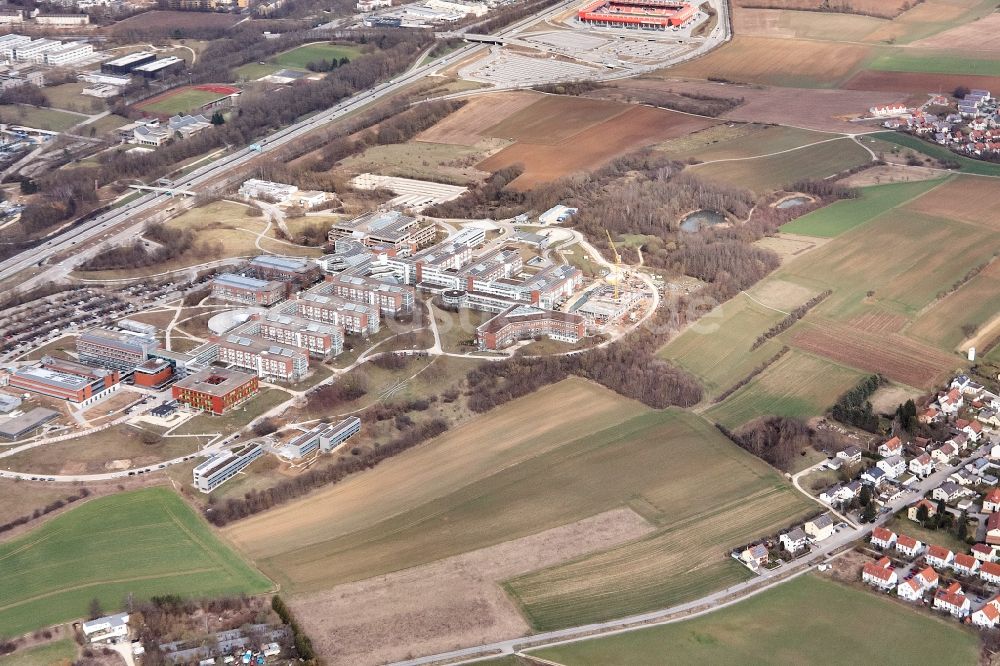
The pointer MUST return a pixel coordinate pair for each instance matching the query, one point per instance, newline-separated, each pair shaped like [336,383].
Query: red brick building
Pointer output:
[154,373]
[215,390]
[64,379]
[522,322]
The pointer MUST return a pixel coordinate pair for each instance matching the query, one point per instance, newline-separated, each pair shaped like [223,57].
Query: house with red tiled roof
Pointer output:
[993,528]
[952,601]
[879,574]
[990,572]
[914,589]
[883,538]
[965,564]
[891,447]
[914,509]
[988,616]
[930,415]
[908,546]
[922,465]
[984,552]
[951,402]
[991,502]
[939,557]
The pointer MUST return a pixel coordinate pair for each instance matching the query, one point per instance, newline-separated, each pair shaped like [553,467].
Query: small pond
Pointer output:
[700,219]
[793,202]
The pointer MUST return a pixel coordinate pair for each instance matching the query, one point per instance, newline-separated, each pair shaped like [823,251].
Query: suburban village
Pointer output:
[971,126]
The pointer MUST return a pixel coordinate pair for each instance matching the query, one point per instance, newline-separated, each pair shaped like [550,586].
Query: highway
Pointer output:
[217,170]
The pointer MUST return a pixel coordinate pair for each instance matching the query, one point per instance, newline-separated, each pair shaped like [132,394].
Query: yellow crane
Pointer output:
[618,263]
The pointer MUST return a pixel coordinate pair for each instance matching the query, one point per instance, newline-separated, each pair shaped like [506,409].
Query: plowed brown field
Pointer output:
[917,82]
[555,118]
[883,8]
[894,356]
[466,126]
[594,146]
[983,35]
[969,199]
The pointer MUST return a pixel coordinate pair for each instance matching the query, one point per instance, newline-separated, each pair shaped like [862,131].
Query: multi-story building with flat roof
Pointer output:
[67,54]
[390,299]
[109,348]
[66,380]
[324,437]
[386,228]
[319,304]
[322,340]
[215,390]
[126,63]
[296,273]
[223,466]
[267,359]
[161,68]
[248,290]
[522,322]
[154,373]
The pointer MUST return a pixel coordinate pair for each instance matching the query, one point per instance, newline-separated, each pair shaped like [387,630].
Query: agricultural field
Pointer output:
[933,62]
[394,516]
[886,8]
[587,148]
[732,141]
[804,24]
[778,62]
[143,543]
[932,17]
[470,124]
[57,653]
[552,119]
[439,162]
[783,625]
[967,199]
[716,349]
[946,324]
[21,498]
[776,172]
[797,385]
[844,215]
[299,57]
[916,83]
[984,33]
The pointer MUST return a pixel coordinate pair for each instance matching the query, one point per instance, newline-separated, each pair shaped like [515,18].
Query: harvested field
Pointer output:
[899,358]
[789,246]
[633,578]
[716,349]
[929,255]
[931,17]
[984,33]
[967,198]
[879,322]
[917,83]
[453,602]
[974,304]
[554,118]
[468,125]
[729,141]
[886,8]
[804,25]
[777,172]
[780,62]
[890,173]
[588,149]
[518,432]
[798,386]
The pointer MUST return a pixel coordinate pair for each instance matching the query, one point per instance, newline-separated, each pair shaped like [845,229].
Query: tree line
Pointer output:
[854,407]
[790,319]
[47,509]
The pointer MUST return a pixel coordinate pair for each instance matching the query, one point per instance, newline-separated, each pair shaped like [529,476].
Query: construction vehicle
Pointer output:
[619,275]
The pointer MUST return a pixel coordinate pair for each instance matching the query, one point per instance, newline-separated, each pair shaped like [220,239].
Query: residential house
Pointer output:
[952,601]
[820,527]
[891,447]
[832,494]
[874,476]
[914,509]
[990,572]
[794,540]
[922,466]
[755,556]
[110,628]
[913,589]
[930,415]
[964,564]
[988,417]
[948,491]
[960,441]
[939,557]
[988,616]
[951,402]
[984,552]
[964,478]
[893,466]
[972,429]
[991,502]
[879,574]
[851,455]
[993,528]
[883,538]
[908,546]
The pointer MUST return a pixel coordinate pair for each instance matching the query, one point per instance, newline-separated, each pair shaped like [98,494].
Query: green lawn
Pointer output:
[806,621]
[232,421]
[840,216]
[901,60]
[255,70]
[966,165]
[61,652]
[38,117]
[146,542]
[798,385]
[184,101]
[303,55]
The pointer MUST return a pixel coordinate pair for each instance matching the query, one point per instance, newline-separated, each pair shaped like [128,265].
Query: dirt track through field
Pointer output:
[451,603]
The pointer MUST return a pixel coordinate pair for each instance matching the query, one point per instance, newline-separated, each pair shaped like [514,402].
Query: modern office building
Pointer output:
[117,349]
[319,304]
[223,466]
[161,68]
[295,272]
[248,290]
[127,63]
[154,373]
[215,390]
[523,322]
[269,360]
[66,380]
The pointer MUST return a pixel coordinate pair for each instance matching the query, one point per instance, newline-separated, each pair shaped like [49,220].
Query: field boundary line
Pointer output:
[763,305]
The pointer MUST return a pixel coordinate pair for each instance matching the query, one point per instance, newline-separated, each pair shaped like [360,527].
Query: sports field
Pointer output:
[810,620]
[144,542]
[300,57]
[818,162]
[797,385]
[184,100]
[841,216]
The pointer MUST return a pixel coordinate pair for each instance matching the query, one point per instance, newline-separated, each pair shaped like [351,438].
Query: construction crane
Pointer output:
[618,263]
